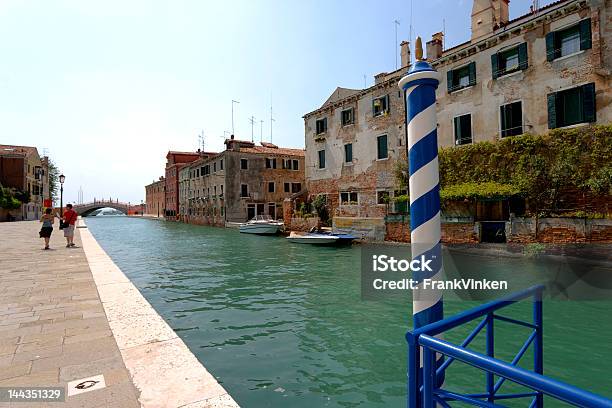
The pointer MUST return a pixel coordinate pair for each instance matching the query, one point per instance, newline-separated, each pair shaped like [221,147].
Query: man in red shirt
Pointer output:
[70,217]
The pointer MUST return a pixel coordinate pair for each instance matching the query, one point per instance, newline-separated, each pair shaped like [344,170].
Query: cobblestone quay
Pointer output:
[53,329]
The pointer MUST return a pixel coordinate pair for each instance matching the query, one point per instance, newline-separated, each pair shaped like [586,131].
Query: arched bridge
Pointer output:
[87,208]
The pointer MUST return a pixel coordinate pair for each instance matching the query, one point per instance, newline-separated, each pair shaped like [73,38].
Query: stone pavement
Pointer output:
[53,328]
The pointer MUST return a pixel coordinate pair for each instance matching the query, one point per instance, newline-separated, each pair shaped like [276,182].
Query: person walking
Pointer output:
[70,217]
[47,226]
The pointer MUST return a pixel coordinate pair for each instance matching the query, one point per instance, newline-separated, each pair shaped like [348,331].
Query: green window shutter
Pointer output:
[588,102]
[523,58]
[472,70]
[495,65]
[552,110]
[504,122]
[585,34]
[449,81]
[550,46]
[388,103]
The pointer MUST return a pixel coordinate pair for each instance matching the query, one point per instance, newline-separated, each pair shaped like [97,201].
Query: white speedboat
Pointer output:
[312,238]
[261,224]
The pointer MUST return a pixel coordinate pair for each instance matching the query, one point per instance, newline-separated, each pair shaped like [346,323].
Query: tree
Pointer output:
[320,206]
[53,181]
[7,200]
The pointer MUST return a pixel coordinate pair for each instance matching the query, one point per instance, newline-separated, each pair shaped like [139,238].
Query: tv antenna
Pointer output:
[233,129]
[252,122]
[271,118]
[396,23]
[201,140]
[261,131]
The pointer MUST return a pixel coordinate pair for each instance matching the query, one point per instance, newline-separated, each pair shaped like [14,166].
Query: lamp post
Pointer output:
[142,208]
[62,178]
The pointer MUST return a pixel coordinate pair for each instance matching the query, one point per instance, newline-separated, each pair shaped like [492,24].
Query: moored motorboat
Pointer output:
[319,238]
[262,225]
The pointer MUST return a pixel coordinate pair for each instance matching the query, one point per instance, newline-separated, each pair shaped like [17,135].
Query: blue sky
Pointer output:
[109,87]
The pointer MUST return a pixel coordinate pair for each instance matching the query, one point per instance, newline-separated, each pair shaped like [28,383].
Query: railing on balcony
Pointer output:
[424,388]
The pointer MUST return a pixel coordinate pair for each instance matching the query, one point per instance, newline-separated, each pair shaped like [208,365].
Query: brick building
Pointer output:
[174,162]
[155,194]
[547,69]
[22,169]
[243,181]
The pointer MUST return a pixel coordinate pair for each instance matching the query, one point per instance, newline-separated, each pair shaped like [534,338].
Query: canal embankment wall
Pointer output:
[162,367]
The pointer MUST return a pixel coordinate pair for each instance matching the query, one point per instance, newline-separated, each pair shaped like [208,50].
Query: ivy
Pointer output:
[538,167]
[478,191]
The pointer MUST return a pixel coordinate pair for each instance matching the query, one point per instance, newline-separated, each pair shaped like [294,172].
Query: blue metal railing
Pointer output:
[424,385]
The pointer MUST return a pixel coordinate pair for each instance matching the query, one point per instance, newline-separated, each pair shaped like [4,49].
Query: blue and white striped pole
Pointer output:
[419,87]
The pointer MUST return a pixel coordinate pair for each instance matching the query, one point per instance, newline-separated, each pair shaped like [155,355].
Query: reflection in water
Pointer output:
[106,212]
[283,324]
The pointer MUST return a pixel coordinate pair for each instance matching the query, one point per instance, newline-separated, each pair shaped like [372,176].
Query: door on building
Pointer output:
[272,210]
[250,211]
[260,209]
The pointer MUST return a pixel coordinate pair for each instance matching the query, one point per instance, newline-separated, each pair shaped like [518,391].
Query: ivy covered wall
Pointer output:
[543,169]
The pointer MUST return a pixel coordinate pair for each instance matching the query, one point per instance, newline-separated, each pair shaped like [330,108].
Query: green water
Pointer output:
[281,324]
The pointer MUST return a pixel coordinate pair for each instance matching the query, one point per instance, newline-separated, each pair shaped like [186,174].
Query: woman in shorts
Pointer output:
[47,226]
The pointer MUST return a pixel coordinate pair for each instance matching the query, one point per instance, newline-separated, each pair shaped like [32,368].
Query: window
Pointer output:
[287,187]
[349,198]
[296,165]
[461,77]
[382,147]
[214,167]
[321,159]
[198,173]
[348,153]
[572,106]
[382,197]
[321,126]
[463,129]
[347,117]
[221,164]
[569,40]
[270,187]
[244,190]
[511,119]
[296,187]
[380,106]
[270,163]
[508,61]
[244,164]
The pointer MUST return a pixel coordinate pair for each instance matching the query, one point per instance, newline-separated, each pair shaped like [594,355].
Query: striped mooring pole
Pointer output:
[419,87]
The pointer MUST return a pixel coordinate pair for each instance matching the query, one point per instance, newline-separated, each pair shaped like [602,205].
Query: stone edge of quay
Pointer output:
[163,369]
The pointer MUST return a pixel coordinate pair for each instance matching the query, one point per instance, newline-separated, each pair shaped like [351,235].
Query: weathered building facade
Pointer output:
[155,194]
[239,183]
[175,161]
[22,169]
[545,70]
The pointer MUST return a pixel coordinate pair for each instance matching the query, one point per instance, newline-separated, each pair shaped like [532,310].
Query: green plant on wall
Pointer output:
[536,167]
[8,200]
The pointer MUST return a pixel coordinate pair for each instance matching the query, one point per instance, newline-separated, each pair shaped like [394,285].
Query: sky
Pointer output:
[106,88]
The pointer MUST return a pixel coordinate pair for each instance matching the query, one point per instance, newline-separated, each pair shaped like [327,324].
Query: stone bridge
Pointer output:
[87,208]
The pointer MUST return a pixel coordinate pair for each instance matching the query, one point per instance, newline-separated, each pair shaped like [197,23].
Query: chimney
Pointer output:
[487,16]
[378,78]
[405,53]
[434,47]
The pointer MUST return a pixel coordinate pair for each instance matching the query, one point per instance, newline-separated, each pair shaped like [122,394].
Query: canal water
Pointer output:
[281,324]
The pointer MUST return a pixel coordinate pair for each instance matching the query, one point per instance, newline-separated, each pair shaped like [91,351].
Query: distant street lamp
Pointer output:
[141,208]
[62,178]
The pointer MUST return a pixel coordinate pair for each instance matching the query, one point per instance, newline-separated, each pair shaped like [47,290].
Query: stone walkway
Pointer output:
[53,328]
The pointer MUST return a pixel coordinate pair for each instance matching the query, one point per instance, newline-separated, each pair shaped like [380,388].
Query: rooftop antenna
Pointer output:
[271,118]
[396,24]
[261,131]
[201,140]
[410,34]
[252,122]
[443,33]
[233,130]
